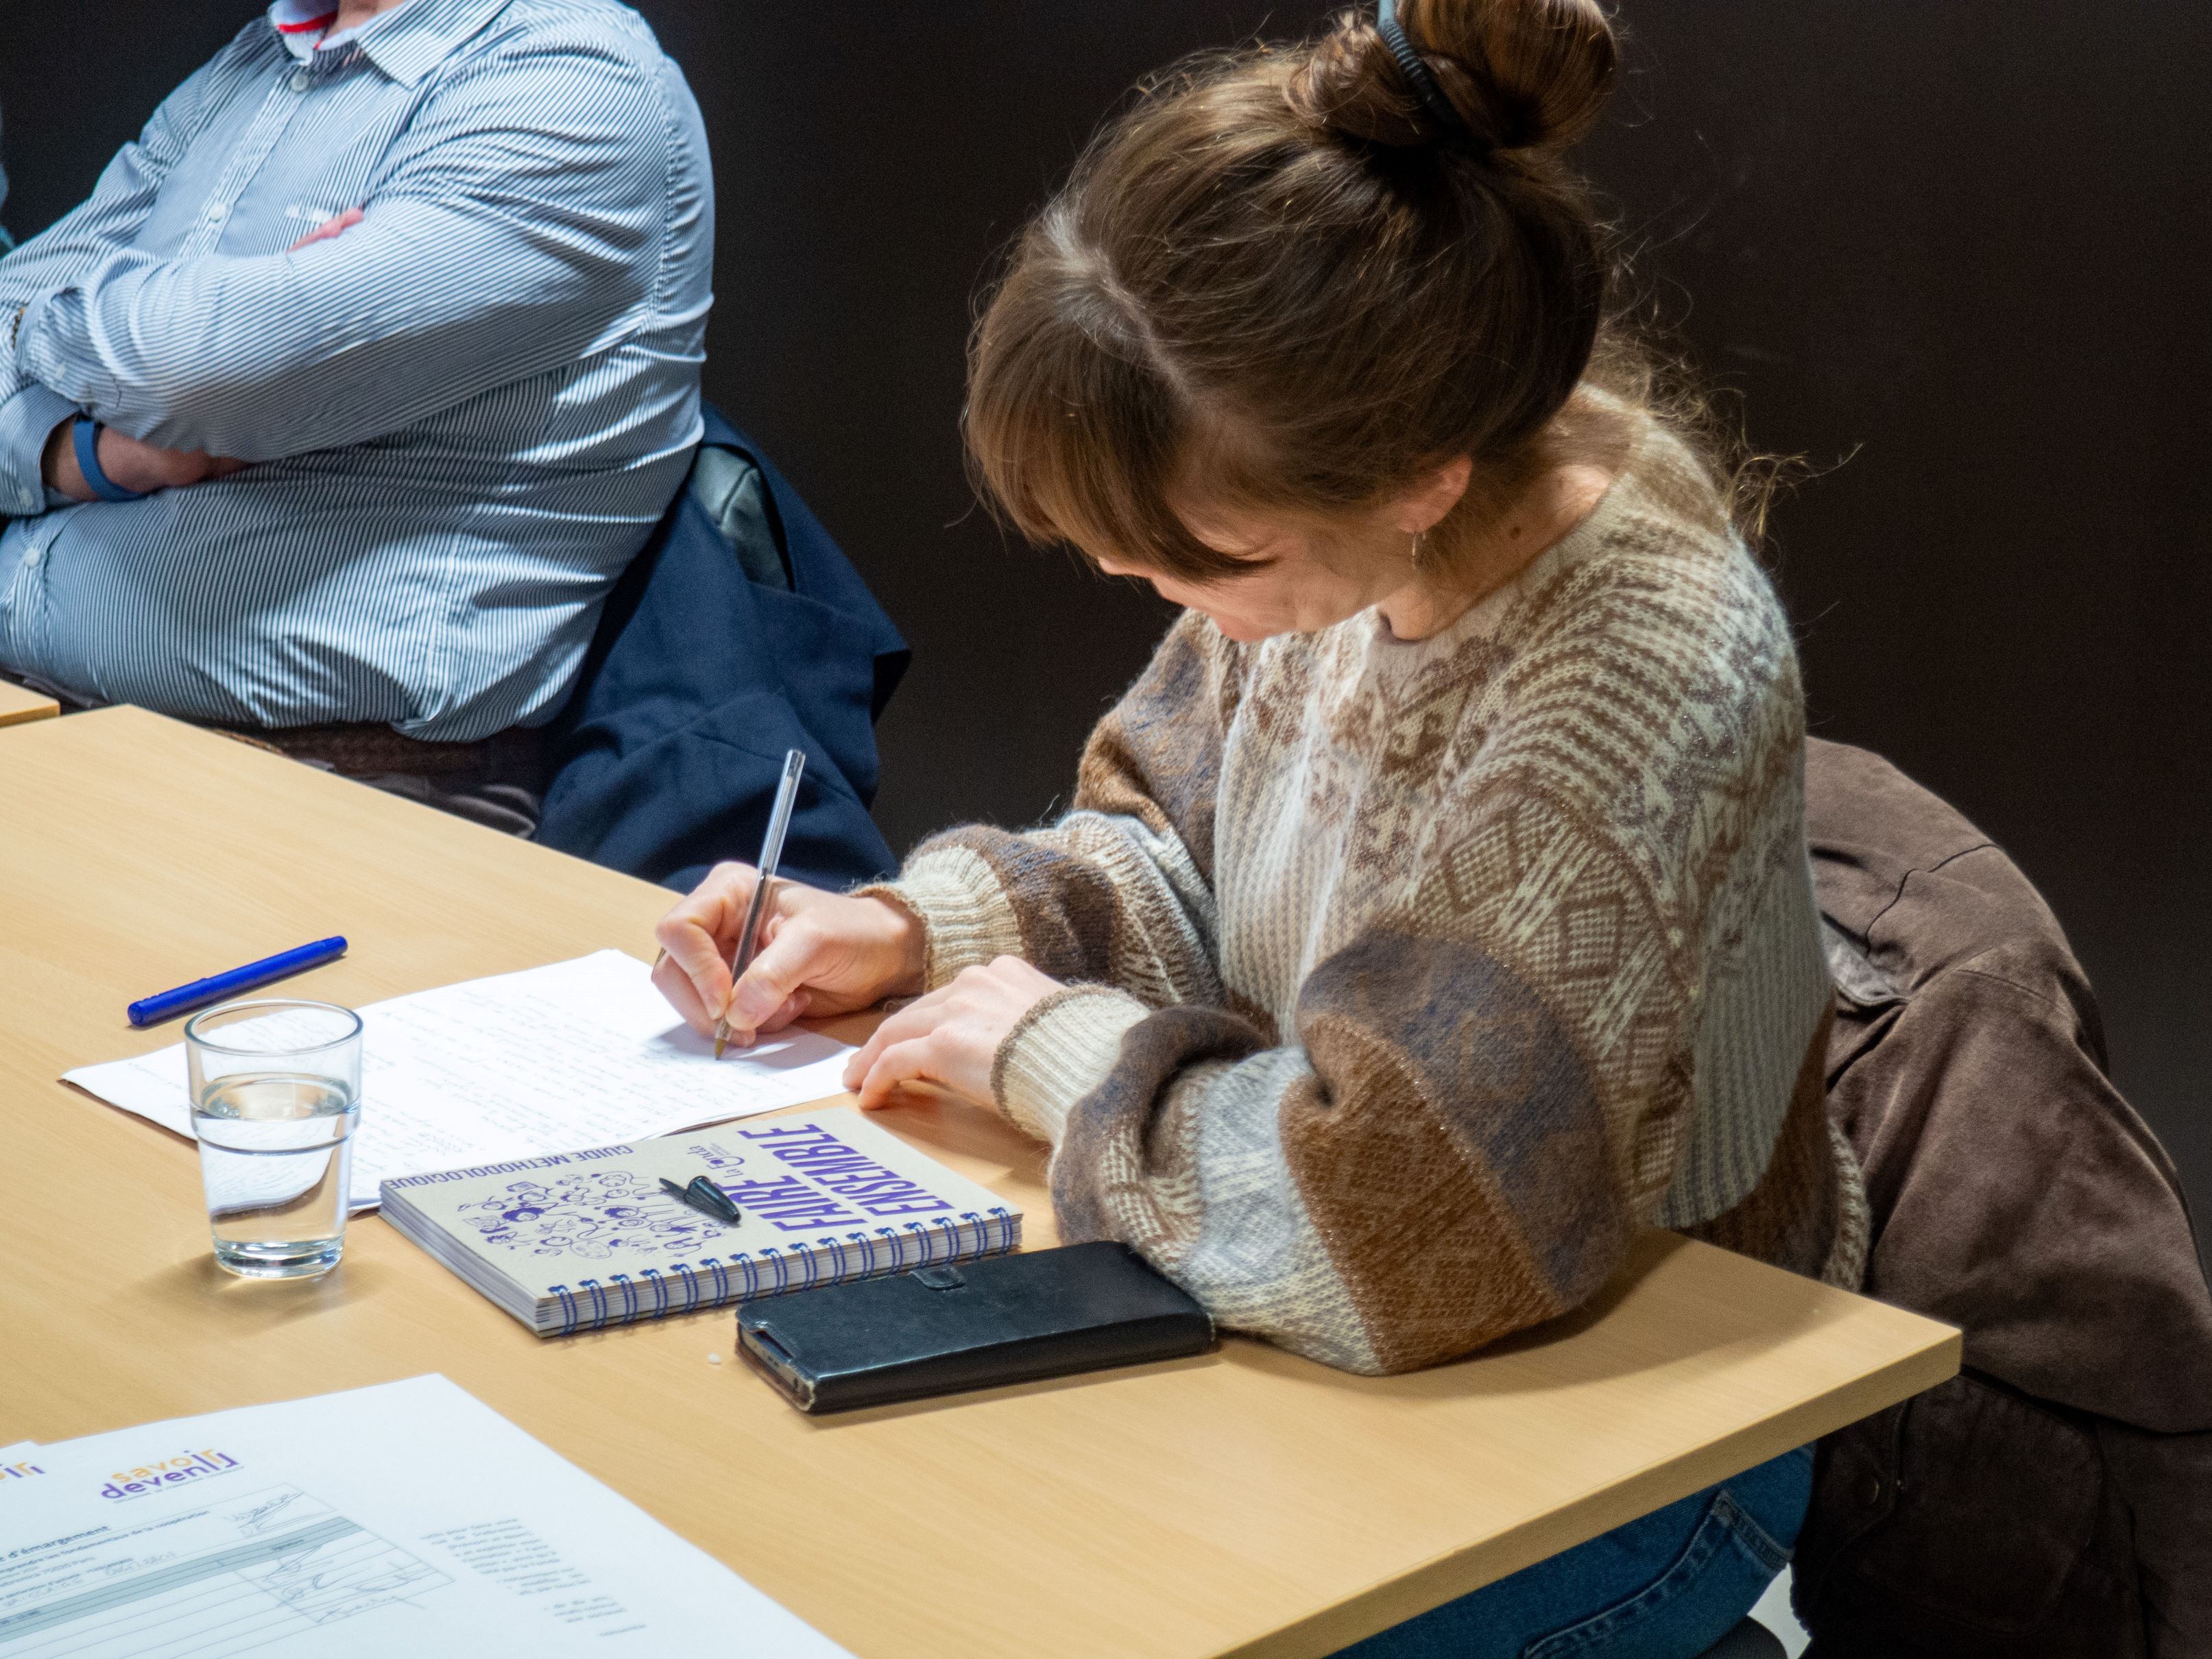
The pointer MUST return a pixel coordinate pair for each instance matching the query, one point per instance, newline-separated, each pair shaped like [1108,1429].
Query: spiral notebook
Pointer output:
[576,1241]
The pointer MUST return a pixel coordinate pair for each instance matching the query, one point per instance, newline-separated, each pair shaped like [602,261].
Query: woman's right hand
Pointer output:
[819,954]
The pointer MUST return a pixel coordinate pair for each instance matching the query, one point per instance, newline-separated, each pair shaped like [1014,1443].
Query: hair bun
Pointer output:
[1522,74]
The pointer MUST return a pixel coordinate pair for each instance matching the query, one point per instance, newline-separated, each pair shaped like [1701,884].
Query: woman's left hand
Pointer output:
[950,1037]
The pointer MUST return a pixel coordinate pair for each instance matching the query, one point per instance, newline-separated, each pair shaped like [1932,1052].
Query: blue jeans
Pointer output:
[1666,1586]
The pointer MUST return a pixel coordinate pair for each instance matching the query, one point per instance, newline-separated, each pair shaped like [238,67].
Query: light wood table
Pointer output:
[19,703]
[1246,1502]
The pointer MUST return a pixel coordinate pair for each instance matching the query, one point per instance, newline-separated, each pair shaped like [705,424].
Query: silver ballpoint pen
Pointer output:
[779,825]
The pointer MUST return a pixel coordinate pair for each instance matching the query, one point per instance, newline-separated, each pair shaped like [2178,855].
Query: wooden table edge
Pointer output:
[20,705]
[1460,1571]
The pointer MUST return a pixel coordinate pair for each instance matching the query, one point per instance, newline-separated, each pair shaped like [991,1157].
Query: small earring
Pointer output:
[1414,557]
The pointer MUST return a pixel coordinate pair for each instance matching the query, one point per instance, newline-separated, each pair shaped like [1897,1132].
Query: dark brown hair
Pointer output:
[1281,280]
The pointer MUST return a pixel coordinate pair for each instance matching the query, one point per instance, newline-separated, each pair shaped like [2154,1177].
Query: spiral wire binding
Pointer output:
[698,1294]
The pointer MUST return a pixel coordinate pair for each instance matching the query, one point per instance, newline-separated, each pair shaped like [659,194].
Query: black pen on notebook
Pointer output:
[778,825]
[704,1196]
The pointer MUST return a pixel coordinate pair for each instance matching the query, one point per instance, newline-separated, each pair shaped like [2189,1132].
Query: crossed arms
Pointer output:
[488,250]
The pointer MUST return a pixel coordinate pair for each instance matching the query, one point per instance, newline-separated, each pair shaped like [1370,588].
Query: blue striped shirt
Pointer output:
[465,413]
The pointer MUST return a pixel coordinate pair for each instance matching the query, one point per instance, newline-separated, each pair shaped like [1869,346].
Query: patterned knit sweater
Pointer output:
[1409,979]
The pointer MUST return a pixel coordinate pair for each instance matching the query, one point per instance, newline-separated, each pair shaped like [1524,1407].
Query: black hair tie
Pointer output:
[1422,82]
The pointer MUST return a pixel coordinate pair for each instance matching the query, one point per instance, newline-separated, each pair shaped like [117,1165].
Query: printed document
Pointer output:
[408,1518]
[581,1054]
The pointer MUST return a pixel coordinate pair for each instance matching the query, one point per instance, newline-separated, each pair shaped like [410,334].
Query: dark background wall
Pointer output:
[1956,254]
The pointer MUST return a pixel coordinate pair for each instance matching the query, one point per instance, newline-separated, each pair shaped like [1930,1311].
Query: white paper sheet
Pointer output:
[408,1518]
[578,1054]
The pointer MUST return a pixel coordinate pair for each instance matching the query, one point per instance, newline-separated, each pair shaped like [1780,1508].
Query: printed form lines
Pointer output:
[224,1602]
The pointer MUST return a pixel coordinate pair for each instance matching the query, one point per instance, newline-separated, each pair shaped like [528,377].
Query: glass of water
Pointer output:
[276,1095]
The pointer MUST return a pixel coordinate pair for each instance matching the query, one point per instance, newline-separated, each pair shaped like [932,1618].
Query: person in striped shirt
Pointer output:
[336,411]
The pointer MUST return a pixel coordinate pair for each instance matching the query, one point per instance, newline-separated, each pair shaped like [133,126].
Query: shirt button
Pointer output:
[32,558]
[302,80]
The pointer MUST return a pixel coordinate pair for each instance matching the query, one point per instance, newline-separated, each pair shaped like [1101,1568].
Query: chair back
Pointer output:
[741,631]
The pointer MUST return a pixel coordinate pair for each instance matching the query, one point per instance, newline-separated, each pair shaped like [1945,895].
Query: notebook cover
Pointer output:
[947,1329]
[573,1241]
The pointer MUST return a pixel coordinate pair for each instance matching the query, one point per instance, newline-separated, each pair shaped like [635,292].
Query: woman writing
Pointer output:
[1435,910]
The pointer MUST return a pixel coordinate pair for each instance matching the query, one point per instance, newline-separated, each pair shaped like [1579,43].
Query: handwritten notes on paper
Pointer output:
[578,1054]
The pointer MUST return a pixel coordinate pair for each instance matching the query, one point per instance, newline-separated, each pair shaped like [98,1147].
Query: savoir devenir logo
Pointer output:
[170,1472]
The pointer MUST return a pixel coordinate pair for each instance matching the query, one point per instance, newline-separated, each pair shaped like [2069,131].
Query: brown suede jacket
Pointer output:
[2054,1501]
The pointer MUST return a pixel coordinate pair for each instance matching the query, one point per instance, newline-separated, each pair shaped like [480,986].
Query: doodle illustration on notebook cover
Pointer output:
[587,1215]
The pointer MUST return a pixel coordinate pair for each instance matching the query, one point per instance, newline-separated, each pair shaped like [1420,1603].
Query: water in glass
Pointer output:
[275,1153]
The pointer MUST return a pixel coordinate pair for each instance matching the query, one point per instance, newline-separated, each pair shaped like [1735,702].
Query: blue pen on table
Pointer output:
[167,1005]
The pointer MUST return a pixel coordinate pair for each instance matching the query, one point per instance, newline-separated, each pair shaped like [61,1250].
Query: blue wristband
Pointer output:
[85,436]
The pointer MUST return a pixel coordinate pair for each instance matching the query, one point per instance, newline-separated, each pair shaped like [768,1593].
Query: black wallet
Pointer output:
[941,1330]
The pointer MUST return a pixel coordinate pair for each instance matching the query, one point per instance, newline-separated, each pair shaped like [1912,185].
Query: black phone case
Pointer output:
[943,1330]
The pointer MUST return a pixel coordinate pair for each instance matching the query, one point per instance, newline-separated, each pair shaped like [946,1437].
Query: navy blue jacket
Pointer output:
[700,675]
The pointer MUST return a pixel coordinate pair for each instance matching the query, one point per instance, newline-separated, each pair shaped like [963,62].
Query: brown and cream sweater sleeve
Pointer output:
[1119,892]
[1491,1083]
